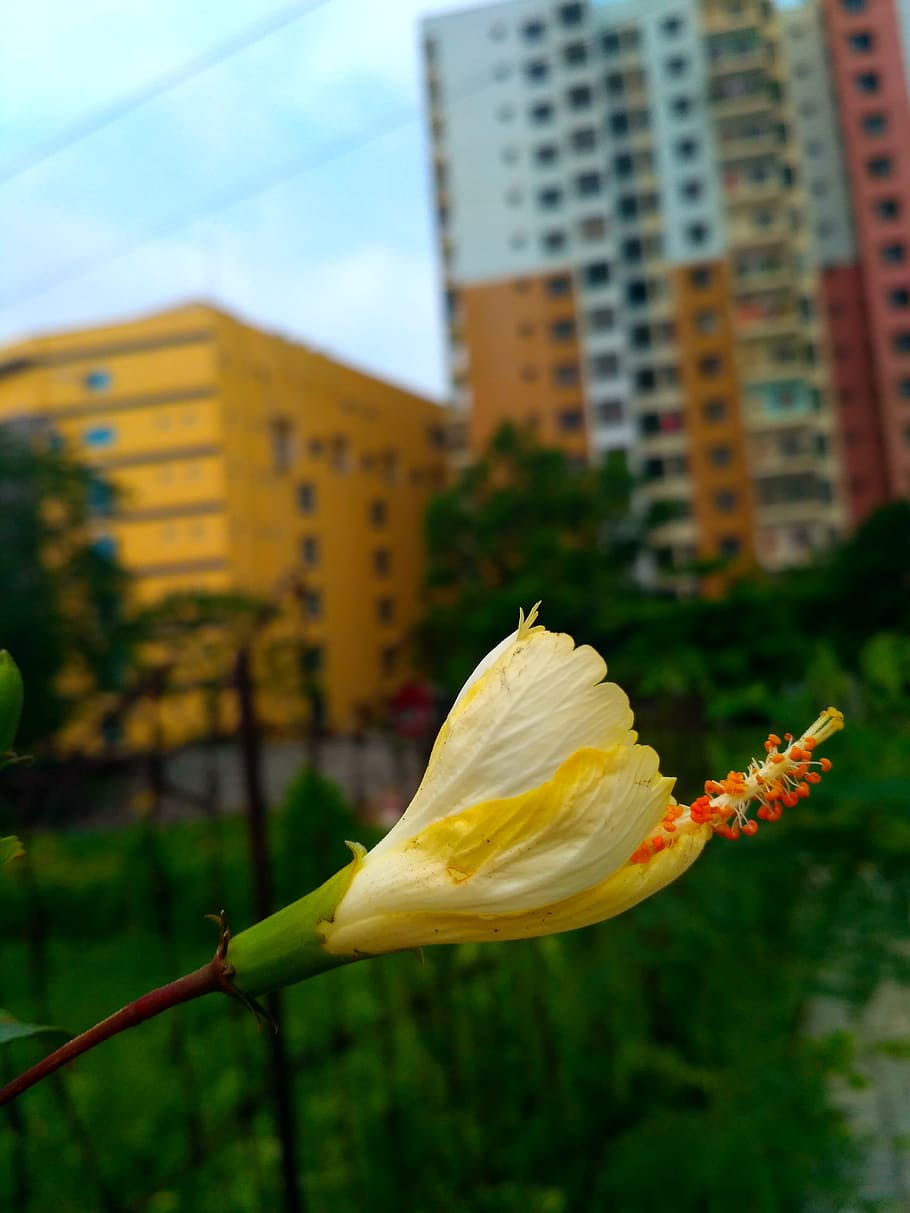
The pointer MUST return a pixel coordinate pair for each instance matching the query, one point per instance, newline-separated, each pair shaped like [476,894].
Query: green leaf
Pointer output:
[12,1029]
[10,848]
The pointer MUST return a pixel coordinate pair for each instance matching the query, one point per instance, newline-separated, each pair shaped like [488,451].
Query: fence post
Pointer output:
[257,823]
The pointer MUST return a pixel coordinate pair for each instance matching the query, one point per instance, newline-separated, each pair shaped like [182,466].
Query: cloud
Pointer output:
[339,255]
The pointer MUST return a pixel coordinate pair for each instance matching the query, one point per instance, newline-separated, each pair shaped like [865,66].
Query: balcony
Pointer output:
[723,17]
[759,281]
[765,317]
[757,102]
[748,147]
[756,59]
[747,233]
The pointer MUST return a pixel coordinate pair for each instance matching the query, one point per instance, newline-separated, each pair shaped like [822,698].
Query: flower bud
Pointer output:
[11,693]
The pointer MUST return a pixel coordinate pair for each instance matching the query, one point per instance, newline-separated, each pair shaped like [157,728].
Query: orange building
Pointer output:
[622,229]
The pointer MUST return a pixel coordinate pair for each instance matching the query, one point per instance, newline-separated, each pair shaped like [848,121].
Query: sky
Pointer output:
[340,255]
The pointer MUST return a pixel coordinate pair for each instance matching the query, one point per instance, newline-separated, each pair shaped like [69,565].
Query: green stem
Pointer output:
[210,979]
[287,947]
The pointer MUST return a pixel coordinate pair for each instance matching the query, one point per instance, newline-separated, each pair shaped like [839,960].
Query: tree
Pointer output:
[520,524]
[61,610]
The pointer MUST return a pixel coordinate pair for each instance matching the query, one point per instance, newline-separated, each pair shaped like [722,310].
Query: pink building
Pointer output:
[868,54]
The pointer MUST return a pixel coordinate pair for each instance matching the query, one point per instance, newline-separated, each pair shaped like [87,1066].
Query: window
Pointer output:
[587,184]
[562,330]
[887,208]
[532,31]
[571,14]
[378,513]
[901,342]
[580,97]
[866,82]
[309,551]
[565,374]
[594,227]
[720,456]
[899,297]
[281,435]
[861,41]
[730,546]
[537,70]
[553,241]
[875,123]
[306,498]
[382,562]
[609,412]
[854,6]
[558,286]
[100,498]
[546,153]
[707,322]
[106,546]
[575,53]
[681,106]
[623,165]
[604,366]
[601,319]
[714,411]
[636,292]
[610,44]
[584,139]
[879,166]
[686,149]
[697,233]
[385,609]
[597,273]
[671,26]
[903,389]
[700,277]
[312,604]
[571,420]
[541,113]
[97,380]
[340,453]
[550,197]
[725,501]
[633,251]
[677,65]
[691,189]
[99,435]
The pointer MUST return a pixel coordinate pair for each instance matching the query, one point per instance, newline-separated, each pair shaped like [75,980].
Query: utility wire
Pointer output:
[112,113]
[261,184]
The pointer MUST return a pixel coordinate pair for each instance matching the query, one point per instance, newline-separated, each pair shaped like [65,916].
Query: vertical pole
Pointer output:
[257,823]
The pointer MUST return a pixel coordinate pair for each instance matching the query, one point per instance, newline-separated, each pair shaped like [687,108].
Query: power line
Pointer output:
[112,113]
[229,198]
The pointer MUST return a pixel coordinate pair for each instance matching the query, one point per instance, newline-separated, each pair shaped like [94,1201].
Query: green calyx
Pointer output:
[288,947]
[11,695]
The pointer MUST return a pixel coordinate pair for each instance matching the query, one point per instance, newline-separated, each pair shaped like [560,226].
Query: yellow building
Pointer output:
[249,463]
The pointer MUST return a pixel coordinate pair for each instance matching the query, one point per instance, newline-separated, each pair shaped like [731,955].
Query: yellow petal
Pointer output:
[634,882]
[510,855]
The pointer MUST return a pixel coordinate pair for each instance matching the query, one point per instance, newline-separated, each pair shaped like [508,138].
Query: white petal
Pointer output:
[515,723]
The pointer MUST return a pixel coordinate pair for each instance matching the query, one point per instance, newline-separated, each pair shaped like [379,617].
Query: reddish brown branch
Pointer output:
[211,978]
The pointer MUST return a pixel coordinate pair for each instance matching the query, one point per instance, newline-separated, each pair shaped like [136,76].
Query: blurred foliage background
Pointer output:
[698,1054]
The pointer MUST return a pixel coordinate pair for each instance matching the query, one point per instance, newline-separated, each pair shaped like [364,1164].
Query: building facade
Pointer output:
[867,49]
[629,265]
[245,462]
